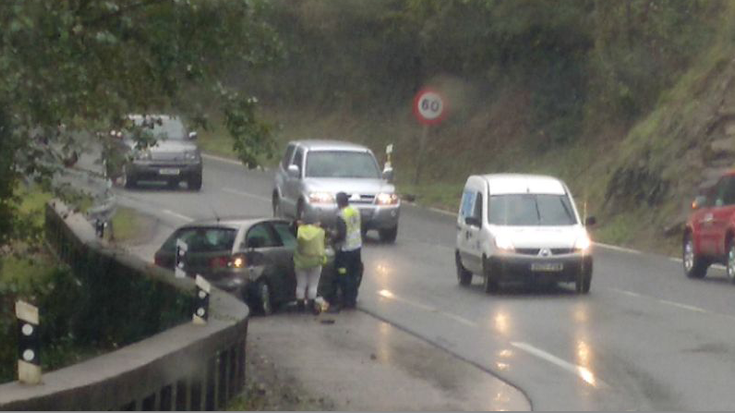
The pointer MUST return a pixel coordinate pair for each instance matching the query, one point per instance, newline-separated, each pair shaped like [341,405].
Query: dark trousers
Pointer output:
[349,275]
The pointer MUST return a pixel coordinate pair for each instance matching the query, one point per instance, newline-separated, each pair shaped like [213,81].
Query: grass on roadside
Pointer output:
[127,225]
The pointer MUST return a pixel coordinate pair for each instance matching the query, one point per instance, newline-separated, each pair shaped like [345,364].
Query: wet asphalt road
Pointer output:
[645,338]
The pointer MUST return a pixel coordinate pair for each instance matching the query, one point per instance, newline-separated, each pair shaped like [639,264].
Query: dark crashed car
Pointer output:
[251,258]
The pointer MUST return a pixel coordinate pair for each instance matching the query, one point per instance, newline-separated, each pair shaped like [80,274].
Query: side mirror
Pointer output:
[388,174]
[294,172]
[472,221]
[192,135]
[699,201]
[590,221]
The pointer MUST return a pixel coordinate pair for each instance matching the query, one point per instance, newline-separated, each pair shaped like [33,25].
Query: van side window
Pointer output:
[468,204]
[728,197]
[477,213]
[287,156]
[298,159]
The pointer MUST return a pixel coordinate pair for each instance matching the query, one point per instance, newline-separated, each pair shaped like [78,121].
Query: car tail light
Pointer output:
[238,261]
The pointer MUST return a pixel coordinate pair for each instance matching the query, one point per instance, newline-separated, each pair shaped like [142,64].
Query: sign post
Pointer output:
[29,343]
[429,107]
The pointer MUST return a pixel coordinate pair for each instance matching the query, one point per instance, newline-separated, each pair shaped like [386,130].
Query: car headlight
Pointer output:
[386,199]
[143,155]
[191,155]
[504,243]
[583,243]
[321,198]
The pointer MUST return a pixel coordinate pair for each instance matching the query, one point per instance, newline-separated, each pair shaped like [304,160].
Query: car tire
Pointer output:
[388,235]
[265,304]
[489,283]
[126,180]
[584,279]
[195,183]
[694,266]
[731,261]
[464,277]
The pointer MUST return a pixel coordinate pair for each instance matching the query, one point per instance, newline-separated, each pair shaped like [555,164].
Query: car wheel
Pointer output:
[464,277]
[489,283]
[276,207]
[264,299]
[694,265]
[195,183]
[125,180]
[388,235]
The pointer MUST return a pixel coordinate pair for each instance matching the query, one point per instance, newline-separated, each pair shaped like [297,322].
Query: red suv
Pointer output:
[709,236]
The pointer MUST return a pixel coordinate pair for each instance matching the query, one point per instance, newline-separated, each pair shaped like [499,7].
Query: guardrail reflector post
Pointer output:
[181,249]
[201,311]
[29,343]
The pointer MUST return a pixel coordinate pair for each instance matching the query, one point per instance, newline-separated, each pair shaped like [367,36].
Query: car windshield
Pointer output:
[203,239]
[162,128]
[531,210]
[341,164]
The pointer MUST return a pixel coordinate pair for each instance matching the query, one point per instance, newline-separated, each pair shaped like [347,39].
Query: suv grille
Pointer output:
[535,251]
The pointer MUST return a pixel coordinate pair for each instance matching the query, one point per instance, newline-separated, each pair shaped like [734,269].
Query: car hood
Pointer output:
[541,237]
[348,185]
[169,146]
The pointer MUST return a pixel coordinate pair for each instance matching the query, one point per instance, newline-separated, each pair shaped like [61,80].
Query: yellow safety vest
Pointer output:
[309,247]
[353,237]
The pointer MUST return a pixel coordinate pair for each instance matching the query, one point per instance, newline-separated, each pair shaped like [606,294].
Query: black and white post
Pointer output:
[181,249]
[29,343]
[201,309]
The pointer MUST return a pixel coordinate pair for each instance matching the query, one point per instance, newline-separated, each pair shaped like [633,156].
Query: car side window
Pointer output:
[260,236]
[283,229]
[287,156]
[468,204]
[298,158]
[719,192]
[728,197]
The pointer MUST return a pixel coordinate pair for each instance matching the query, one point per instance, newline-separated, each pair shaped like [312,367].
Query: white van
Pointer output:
[521,228]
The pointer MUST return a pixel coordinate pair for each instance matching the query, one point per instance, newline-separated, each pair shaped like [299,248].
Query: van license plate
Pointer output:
[168,171]
[556,266]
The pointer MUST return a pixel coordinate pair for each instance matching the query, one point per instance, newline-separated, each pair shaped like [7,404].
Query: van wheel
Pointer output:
[694,266]
[584,279]
[489,283]
[464,277]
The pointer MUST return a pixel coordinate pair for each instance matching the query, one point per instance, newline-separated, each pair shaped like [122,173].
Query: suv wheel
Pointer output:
[489,283]
[694,265]
[464,277]
[388,234]
[195,183]
[276,207]
[731,261]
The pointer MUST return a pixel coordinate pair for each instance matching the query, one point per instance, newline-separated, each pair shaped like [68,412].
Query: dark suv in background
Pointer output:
[173,158]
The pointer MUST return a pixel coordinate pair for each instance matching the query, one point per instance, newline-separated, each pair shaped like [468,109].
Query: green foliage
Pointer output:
[83,65]
[251,138]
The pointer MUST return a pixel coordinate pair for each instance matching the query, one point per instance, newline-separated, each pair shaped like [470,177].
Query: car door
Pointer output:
[293,184]
[703,220]
[263,245]
[286,237]
[722,213]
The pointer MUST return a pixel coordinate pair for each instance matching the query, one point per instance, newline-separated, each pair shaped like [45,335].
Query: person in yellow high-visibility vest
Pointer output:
[308,260]
[348,242]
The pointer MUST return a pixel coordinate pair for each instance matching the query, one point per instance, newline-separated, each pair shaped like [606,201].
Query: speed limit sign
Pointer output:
[429,106]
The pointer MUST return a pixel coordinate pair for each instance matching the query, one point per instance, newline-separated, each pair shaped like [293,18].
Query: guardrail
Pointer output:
[187,367]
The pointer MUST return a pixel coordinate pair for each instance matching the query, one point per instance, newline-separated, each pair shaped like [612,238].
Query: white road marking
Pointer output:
[630,293]
[582,372]
[684,306]
[443,212]
[177,215]
[678,260]
[616,248]
[247,195]
[390,295]
[671,303]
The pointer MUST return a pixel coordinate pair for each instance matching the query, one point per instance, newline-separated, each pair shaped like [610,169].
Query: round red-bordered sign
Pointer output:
[429,106]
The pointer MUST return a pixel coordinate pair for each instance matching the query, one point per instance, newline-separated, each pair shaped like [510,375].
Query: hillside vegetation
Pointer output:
[627,101]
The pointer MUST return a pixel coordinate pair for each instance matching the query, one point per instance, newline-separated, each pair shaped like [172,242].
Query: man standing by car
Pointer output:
[348,242]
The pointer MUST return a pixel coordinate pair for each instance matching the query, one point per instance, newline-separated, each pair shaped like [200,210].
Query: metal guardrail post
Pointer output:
[181,249]
[29,343]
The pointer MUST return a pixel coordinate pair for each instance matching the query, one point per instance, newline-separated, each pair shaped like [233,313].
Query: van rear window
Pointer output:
[531,210]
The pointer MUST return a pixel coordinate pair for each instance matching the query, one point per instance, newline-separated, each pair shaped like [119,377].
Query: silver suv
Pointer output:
[312,172]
